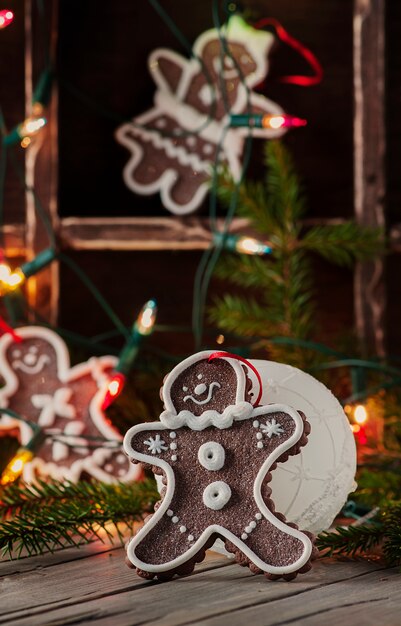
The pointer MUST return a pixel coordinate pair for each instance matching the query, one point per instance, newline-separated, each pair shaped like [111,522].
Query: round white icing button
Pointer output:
[216,495]
[211,456]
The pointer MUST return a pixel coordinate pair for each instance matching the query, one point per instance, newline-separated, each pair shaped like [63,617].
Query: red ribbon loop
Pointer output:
[229,355]
[5,328]
[310,58]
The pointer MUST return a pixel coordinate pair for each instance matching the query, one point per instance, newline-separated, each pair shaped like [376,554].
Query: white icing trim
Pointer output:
[216,528]
[232,413]
[211,455]
[66,375]
[216,495]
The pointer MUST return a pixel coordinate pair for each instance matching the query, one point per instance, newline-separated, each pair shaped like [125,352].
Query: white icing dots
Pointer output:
[175,519]
[259,436]
[108,467]
[173,457]
[183,529]
[121,459]
[211,455]
[207,148]
[170,513]
[260,445]
[199,376]
[216,495]
[173,435]
[173,446]
[251,526]
[190,537]
[255,424]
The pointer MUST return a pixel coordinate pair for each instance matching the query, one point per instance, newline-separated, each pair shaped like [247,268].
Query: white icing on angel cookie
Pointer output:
[65,402]
[174,145]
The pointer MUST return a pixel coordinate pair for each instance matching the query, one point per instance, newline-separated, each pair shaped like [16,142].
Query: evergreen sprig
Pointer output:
[384,529]
[279,288]
[50,515]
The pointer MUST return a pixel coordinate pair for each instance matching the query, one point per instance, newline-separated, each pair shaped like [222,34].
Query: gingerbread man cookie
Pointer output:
[216,451]
[175,144]
[66,403]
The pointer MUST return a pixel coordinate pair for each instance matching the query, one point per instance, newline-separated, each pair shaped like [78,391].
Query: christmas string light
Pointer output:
[263,120]
[33,124]
[24,455]
[143,326]
[10,280]
[6,17]
[244,245]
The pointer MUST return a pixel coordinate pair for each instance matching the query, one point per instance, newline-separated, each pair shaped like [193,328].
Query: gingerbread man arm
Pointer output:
[167,68]
[152,444]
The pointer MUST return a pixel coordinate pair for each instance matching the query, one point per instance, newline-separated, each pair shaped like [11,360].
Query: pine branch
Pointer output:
[43,517]
[350,540]
[248,271]
[343,244]
[385,528]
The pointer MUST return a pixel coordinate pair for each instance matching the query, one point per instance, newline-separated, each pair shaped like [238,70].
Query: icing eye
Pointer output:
[16,354]
[185,388]
[199,376]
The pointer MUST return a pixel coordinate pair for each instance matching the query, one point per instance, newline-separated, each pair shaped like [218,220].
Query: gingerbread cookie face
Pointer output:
[215,476]
[202,392]
[205,386]
[65,402]
[174,145]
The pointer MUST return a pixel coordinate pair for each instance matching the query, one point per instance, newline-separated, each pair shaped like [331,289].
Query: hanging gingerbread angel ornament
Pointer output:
[175,144]
[216,448]
[41,387]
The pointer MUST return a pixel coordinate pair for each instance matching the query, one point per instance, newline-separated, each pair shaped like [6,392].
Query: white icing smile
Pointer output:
[32,369]
[199,389]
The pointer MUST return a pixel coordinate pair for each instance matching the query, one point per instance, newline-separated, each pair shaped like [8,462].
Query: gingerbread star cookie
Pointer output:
[216,450]
[65,402]
[175,144]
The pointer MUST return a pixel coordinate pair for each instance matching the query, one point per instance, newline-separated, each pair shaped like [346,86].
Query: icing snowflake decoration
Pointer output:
[271,428]
[155,445]
[174,145]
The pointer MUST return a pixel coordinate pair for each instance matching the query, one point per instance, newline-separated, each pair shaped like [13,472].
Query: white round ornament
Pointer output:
[311,487]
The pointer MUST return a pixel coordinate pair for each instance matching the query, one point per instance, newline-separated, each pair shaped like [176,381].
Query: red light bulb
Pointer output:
[6,17]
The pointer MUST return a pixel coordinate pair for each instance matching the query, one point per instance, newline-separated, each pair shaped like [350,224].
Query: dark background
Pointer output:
[103,80]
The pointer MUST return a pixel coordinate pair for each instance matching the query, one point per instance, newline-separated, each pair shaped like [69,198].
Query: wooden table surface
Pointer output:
[92,585]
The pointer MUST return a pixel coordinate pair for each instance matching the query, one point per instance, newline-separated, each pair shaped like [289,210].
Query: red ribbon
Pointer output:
[303,81]
[229,355]
[5,328]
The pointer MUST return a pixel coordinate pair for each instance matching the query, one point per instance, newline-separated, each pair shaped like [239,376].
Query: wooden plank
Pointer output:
[41,165]
[152,233]
[14,238]
[369,163]
[369,600]
[101,589]
[137,233]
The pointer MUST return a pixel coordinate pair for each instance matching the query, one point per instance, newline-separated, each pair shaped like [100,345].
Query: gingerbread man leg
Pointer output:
[286,548]
[154,550]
